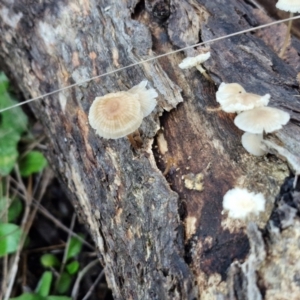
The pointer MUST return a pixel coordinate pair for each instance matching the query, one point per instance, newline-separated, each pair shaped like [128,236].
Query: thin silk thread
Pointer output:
[148,60]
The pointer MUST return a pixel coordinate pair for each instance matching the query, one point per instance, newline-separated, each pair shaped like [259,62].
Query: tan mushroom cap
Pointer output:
[233,98]
[226,90]
[245,101]
[252,143]
[289,5]
[146,97]
[261,119]
[116,115]
[190,62]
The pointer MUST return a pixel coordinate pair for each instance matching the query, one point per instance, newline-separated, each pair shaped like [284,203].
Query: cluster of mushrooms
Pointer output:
[254,116]
[120,114]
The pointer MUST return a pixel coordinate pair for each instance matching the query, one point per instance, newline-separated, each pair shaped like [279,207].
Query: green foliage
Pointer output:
[31,296]
[50,261]
[58,298]
[42,290]
[74,248]
[28,296]
[64,283]
[10,235]
[72,267]
[32,162]
[14,208]
[8,150]
[13,123]
[44,285]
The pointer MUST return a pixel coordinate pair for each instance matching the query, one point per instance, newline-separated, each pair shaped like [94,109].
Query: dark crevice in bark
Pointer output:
[138,10]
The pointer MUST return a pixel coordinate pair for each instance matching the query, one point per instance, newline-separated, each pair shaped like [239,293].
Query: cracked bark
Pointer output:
[156,238]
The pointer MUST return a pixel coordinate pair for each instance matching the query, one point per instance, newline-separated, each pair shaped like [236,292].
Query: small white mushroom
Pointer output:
[190,62]
[233,98]
[146,97]
[262,119]
[253,143]
[240,203]
[115,115]
[119,114]
[227,90]
[292,6]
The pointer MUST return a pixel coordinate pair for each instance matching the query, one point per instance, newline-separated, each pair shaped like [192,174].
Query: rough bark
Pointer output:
[157,238]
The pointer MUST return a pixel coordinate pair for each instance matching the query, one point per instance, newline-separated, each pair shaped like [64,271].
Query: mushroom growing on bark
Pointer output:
[233,98]
[292,6]
[240,203]
[253,143]
[261,119]
[119,114]
[190,62]
[145,97]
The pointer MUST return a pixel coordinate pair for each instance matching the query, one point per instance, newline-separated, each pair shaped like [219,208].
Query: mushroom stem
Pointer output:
[132,141]
[135,140]
[203,72]
[286,39]
[213,109]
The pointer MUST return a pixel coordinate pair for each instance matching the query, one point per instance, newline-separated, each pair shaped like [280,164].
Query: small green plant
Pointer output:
[16,200]
[68,268]
[32,162]
[64,280]
[13,126]
[13,123]
[10,235]
[42,290]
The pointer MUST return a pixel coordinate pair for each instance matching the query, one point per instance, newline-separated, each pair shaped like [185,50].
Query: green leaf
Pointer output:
[58,298]
[44,285]
[28,296]
[74,248]
[49,260]
[33,162]
[10,235]
[72,267]
[13,208]
[64,283]
[8,150]
[14,118]
[13,123]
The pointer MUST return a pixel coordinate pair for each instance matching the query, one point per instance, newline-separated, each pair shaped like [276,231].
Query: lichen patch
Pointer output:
[194,181]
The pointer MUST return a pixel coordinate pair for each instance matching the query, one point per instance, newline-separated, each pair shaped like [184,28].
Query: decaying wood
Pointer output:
[159,237]
[271,271]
